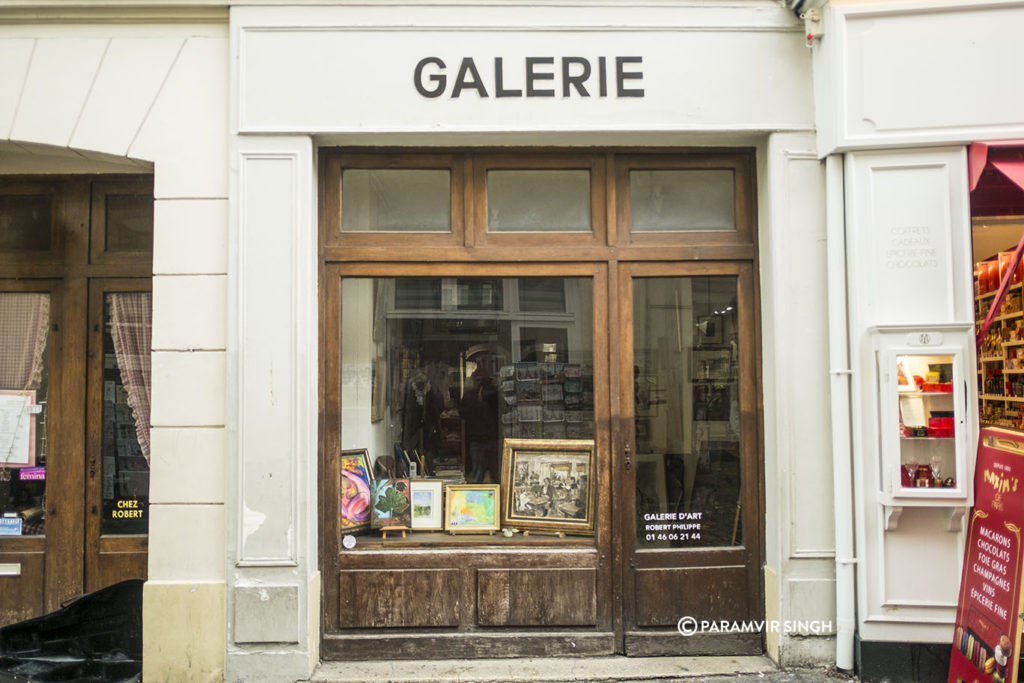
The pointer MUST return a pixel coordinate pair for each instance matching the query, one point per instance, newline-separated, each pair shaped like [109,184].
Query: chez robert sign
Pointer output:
[531,77]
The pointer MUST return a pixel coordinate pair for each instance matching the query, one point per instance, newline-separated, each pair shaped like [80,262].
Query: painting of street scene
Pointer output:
[549,484]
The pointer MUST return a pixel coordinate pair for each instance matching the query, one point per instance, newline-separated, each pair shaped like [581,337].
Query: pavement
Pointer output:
[573,670]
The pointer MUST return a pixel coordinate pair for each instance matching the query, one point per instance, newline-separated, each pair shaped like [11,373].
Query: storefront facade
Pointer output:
[539,296]
[628,218]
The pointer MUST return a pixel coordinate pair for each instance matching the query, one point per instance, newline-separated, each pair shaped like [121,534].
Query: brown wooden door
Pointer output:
[68,242]
[116,491]
[686,449]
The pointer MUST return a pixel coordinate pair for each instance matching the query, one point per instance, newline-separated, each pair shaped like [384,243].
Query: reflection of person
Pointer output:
[479,410]
[423,405]
[1002,657]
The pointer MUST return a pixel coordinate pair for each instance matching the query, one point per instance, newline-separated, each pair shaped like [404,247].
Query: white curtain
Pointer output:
[131,320]
[24,323]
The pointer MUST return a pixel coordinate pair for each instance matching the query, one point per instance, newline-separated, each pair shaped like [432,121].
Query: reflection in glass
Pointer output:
[126,370]
[129,222]
[25,222]
[542,295]
[538,201]
[24,387]
[681,200]
[445,385]
[686,403]
[395,200]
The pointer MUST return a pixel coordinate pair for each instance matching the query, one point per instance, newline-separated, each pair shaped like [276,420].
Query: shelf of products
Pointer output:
[923,419]
[1001,357]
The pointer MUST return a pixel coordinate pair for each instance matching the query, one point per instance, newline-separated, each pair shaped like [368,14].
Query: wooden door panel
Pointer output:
[21,586]
[691,522]
[536,597]
[664,596]
[405,598]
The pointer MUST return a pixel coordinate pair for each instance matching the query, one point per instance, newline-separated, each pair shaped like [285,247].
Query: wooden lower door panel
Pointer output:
[536,597]
[666,595]
[21,586]
[118,559]
[405,598]
[478,603]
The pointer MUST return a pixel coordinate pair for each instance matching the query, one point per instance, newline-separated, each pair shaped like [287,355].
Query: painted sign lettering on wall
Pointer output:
[531,77]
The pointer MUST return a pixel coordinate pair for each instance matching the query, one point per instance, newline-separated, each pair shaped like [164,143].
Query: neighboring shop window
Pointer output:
[126,408]
[436,373]
[997,213]
[688,442]
[24,324]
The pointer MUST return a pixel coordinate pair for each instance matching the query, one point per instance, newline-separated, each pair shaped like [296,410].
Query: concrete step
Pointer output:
[567,669]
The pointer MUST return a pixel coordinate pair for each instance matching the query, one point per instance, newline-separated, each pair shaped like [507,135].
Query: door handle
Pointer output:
[629,458]
[92,465]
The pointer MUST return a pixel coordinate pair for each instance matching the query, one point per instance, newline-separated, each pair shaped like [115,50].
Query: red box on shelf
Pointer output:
[940,427]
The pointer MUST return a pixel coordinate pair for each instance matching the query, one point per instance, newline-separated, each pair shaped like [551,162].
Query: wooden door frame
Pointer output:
[469,251]
[752,461]
[330,421]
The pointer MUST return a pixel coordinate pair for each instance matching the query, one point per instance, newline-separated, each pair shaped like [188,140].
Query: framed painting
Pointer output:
[549,485]
[472,508]
[356,487]
[390,506]
[427,498]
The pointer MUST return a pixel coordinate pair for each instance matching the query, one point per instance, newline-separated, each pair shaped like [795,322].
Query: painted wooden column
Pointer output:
[273,595]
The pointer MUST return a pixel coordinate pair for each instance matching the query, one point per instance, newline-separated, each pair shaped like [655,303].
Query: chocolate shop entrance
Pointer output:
[540,426]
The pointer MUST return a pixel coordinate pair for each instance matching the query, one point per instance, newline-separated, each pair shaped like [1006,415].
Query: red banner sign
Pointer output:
[987,618]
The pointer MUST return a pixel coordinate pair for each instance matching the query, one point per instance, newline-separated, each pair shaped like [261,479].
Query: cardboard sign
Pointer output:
[987,626]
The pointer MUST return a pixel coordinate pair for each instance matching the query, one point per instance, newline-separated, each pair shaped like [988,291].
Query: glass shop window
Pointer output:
[396,200]
[538,201]
[24,374]
[682,200]
[126,408]
[687,413]
[436,373]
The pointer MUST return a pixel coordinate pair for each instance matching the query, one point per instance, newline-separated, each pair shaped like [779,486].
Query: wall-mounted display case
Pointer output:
[925,432]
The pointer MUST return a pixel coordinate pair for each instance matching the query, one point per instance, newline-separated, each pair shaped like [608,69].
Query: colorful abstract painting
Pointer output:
[356,485]
[471,507]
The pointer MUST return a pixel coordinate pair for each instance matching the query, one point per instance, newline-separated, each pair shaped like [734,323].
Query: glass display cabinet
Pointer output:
[925,431]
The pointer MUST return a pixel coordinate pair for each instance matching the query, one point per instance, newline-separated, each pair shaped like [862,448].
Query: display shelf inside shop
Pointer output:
[442,539]
[1001,356]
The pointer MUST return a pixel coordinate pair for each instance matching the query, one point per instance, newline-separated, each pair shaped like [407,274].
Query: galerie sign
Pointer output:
[987,623]
[533,77]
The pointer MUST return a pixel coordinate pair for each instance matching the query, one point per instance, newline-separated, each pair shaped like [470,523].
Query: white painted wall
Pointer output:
[143,95]
[918,72]
[349,69]
[886,191]
[799,517]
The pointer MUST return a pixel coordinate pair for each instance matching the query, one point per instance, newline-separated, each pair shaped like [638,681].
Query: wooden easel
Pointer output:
[384,530]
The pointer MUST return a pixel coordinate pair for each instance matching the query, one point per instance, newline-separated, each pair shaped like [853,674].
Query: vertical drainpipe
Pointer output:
[840,376]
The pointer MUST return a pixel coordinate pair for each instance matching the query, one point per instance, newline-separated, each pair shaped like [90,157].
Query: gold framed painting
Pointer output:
[549,485]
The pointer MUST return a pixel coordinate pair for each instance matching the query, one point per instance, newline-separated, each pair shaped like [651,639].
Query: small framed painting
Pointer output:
[390,504]
[472,508]
[356,486]
[427,497]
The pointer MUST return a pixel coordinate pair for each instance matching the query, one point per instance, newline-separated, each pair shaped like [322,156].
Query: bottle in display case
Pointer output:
[925,430]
